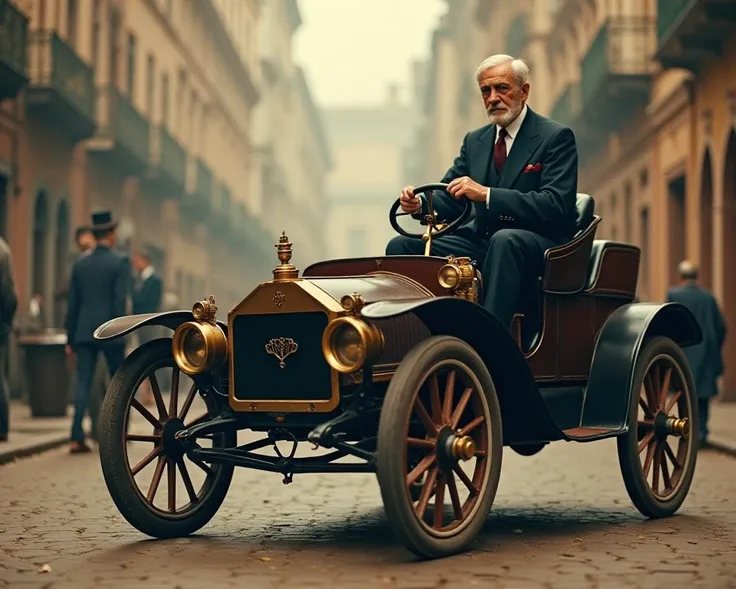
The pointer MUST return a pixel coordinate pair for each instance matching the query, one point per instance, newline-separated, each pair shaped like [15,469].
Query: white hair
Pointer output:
[518,66]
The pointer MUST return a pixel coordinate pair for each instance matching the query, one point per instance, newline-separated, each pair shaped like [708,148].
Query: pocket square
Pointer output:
[533,168]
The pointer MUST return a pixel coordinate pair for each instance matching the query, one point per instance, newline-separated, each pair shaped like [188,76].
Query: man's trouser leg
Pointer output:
[86,360]
[515,257]
[4,392]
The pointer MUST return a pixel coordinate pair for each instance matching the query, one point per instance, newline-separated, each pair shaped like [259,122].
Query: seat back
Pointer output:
[585,209]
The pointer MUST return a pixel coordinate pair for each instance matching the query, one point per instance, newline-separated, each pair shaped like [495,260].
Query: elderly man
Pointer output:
[705,359]
[520,171]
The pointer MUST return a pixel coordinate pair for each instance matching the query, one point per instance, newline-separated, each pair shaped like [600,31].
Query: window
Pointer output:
[356,242]
[165,99]
[150,82]
[131,65]
[71,23]
[95,31]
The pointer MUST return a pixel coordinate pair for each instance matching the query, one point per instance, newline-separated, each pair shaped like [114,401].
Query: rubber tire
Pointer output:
[115,468]
[391,432]
[628,456]
[528,449]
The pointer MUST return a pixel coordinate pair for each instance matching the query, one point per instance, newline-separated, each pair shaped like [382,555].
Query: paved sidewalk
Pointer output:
[722,426]
[31,435]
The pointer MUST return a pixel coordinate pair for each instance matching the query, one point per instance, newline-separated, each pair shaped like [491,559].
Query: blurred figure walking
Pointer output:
[98,290]
[8,307]
[706,359]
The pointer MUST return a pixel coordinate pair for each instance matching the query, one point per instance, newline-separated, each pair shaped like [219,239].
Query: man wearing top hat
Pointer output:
[98,289]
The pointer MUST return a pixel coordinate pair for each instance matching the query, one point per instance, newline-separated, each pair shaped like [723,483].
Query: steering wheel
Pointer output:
[435,227]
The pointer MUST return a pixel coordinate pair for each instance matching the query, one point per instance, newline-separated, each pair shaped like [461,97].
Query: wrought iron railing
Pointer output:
[168,154]
[54,64]
[123,123]
[516,36]
[623,46]
[668,13]
[13,36]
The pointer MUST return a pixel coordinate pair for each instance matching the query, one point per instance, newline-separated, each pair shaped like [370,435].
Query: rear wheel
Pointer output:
[442,404]
[657,455]
[137,446]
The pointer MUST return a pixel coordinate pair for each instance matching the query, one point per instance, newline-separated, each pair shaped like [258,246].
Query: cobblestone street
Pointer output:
[561,519]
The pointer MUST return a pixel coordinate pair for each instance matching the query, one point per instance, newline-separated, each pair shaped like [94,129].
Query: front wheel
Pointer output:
[657,455]
[137,446]
[440,420]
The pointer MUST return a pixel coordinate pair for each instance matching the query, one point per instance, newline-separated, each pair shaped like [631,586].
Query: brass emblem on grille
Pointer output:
[282,348]
[279,298]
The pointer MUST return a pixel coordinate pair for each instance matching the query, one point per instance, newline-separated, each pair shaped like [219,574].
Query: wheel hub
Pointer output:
[453,447]
[671,426]
[172,446]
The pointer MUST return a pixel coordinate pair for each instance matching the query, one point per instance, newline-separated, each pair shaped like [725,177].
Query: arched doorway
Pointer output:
[728,261]
[706,221]
[40,234]
[61,261]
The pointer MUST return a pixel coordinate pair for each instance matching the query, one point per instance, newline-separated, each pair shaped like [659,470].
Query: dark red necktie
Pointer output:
[499,150]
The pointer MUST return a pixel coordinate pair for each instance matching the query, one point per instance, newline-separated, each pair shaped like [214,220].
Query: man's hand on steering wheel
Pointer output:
[409,203]
[467,187]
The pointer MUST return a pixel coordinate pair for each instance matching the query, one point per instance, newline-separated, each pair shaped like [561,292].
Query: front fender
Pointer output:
[122,326]
[525,417]
[611,381]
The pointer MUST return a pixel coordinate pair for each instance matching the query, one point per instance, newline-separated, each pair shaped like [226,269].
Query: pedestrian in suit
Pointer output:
[147,296]
[520,172]
[705,359]
[8,307]
[148,286]
[98,289]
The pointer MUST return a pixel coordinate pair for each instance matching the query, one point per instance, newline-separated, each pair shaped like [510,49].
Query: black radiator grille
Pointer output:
[258,375]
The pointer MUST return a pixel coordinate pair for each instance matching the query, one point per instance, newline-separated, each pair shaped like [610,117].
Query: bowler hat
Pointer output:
[102,220]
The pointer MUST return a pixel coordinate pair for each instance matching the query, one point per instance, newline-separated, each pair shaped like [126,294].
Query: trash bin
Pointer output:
[46,372]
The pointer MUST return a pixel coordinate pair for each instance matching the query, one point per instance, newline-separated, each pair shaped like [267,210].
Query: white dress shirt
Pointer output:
[511,132]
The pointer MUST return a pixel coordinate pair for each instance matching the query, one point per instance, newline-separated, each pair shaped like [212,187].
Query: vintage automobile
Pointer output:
[390,365]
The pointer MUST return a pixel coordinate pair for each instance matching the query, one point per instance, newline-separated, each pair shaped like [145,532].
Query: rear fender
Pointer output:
[525,417]
[610,386]
[122,326]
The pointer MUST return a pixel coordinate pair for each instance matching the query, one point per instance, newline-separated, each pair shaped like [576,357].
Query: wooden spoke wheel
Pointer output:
[658,454]
[440,441]
[155,486]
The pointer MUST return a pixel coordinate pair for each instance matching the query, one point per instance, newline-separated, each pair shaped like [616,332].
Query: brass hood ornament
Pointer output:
[285,270]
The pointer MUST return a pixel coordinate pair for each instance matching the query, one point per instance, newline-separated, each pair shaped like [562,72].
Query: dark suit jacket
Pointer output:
[98,288]
[705,359]
[541,201]
[147,298]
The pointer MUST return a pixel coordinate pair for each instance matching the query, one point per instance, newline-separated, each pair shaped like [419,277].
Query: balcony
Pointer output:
[517,35]
[198,198]
[61,88]
[222,210]
[13,47]
[245,230]
[168,164]
[567,107]
[123,135]
[690,30]
[617,72]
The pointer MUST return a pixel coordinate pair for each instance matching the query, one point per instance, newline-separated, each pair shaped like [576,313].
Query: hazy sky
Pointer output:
[352,50]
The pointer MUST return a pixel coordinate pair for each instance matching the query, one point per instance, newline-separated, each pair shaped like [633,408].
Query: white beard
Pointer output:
[505,119]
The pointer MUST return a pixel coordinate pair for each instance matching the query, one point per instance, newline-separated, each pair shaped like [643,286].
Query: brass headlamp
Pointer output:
[348,342]
[457,275]
[201,345]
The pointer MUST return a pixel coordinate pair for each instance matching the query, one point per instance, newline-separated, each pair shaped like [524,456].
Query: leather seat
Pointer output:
[585,209]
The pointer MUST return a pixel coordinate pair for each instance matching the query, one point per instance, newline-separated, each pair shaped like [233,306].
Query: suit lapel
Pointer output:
[526,141]
[483,160]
